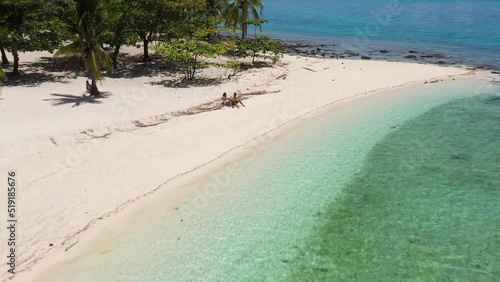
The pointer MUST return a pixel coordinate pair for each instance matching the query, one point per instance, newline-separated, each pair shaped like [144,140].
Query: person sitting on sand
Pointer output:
[88,86]
[235,100]
[226,101]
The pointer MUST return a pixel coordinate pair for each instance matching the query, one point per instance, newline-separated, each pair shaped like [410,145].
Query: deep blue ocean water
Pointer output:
[467,30]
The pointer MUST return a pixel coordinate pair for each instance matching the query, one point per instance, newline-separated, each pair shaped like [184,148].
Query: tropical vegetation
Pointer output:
[185,33]
[261,46]
[30,25]
[241,13]
[3,76]
[89,27]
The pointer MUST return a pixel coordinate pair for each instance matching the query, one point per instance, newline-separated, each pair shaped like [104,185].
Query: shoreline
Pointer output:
[211,161]
[163,205]
[400,52]
[339,50]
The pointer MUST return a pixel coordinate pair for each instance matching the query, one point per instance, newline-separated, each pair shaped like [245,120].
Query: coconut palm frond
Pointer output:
[92,64]
[241,12]
[3,76]
[73,29]
[231,14]
[216,7]
[253,10]
[104,59]
[72,49]
[90,25]
[103,26]
[97,58]
[257,4]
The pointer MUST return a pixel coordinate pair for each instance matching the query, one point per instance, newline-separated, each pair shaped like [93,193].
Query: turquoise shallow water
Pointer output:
[425,206]
[399,186]
[467,30]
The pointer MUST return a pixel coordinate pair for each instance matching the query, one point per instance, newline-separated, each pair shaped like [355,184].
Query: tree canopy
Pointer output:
[3,76]
[261,46]
[32,25]
[241,13]
[89,23]
[185,32]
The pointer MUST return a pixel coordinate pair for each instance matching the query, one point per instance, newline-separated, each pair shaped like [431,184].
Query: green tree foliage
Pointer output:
[241,13]
[120,33]
[192,21]
[4,36]
[194,27]
[215,7]
[187,26]
[148,19]
[185,55]
[257,23]
[2,74]
[261,46]
[233,67]
[3,77]
[5,60]
[89,25]
[30,25]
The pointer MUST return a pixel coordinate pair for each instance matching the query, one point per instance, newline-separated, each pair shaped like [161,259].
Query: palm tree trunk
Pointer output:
[5,60]
[93,88]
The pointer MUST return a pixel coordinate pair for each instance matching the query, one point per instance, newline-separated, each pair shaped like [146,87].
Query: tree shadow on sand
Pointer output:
[33,79]
[256,65]
[43,70]
[51,64]
[50,69]
[132,66]
[64,99]
[184,83]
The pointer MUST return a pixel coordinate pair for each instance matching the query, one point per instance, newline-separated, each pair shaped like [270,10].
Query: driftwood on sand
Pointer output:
[216,105]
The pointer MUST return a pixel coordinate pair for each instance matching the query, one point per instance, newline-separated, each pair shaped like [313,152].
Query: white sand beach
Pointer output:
[81,160]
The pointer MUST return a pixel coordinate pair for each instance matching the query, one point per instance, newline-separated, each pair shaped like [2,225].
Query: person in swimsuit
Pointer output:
[226,101]
[235,101]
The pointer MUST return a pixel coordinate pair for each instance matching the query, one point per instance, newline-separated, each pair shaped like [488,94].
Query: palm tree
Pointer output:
[3,76]
[238,13]
[5,60]
[214,7]
[89,28]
